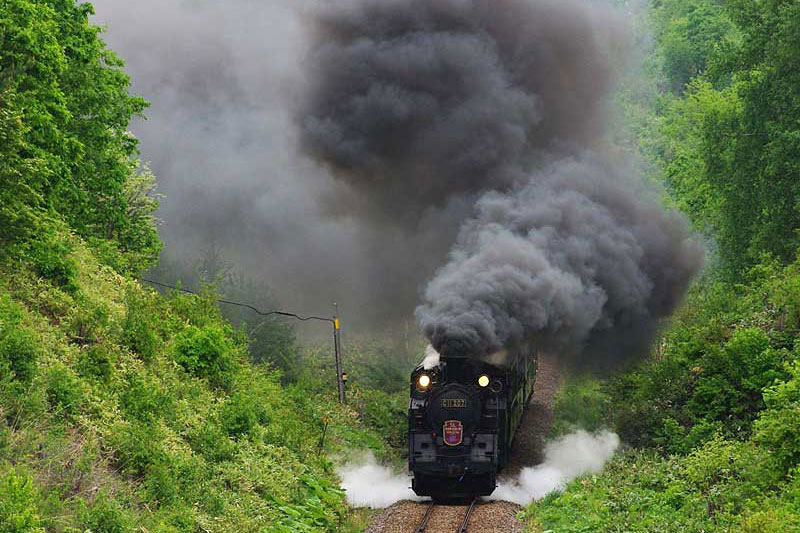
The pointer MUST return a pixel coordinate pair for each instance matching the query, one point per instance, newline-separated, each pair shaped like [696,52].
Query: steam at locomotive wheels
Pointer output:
[462,418]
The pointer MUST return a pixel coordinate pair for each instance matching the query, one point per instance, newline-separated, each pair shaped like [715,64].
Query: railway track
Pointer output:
[423,525]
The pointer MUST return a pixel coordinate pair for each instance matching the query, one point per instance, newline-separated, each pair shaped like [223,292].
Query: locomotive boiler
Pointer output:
[463,414]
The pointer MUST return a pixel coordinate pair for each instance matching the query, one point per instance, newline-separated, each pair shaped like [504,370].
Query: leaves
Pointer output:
[64,114]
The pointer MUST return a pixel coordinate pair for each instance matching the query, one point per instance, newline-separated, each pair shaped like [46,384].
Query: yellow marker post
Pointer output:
[337,347]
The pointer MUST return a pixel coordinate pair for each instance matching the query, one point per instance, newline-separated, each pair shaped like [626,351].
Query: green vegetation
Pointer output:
[711,419]
[168,427]
[122,409]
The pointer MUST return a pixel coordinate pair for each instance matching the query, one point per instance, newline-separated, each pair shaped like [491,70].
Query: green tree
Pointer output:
[72,107]
[753,156]
[689,32]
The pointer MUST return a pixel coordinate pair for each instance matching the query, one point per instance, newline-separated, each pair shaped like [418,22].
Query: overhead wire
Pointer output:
[247,306]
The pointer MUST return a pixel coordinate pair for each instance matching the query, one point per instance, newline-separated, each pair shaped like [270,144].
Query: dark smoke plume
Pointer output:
[221,135]
[411,110]
[414,102]
[498,103]
[575,261]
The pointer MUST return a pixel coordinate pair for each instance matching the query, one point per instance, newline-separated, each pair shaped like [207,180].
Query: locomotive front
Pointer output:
[457,421]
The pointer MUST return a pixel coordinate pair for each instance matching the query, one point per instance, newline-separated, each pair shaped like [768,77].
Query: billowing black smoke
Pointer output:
[575,261]
[413,103]
[417,105]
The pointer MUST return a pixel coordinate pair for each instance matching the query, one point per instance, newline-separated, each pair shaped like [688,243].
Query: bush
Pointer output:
[96,363]
[64,391]
[18,512]
[580,404]
[242,412]
[49,256]
[19,347]
[730,473]
[140,327]
[770,521]
[143,398]
[385,413]
[778,427]
[106,515]
[212,442]
[137,446]
[88,322]
[729,381]
[637,491]
[19,352]
[161,482]
[708,378]
[206,352]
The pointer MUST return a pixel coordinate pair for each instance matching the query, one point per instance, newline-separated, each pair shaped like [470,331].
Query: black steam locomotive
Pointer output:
[462,418]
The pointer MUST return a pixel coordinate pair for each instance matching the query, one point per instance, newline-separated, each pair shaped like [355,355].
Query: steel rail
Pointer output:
[424,523]
[465,522]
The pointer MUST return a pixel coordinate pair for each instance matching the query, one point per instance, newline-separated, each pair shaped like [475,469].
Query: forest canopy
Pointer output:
[68,156]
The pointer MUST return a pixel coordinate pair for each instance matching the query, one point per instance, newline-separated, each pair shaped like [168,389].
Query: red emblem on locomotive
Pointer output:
[453,432]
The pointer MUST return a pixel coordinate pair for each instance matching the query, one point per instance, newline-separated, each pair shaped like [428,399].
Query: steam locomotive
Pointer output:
[462,418]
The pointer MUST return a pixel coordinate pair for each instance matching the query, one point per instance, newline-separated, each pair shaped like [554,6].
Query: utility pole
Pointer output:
[337,349]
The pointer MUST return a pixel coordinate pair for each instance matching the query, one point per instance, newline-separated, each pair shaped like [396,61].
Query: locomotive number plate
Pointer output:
[450,403]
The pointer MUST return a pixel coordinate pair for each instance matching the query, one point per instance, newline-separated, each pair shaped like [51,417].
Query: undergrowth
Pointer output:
[122,410]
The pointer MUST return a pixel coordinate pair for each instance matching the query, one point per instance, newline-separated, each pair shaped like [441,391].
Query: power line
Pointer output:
[341,377]
[246,306]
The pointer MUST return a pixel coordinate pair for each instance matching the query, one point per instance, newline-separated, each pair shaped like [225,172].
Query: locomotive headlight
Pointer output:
[483,381]
[424,381]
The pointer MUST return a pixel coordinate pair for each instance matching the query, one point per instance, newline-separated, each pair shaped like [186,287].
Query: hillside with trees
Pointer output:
[123,409]
[126,409]
[712,419]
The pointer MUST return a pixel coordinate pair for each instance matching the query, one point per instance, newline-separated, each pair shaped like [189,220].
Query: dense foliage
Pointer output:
[123,409]
[166,426]
[728,126]
[67,154]
[711,419]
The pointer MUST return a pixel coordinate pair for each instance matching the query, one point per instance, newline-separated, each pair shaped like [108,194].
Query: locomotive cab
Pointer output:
[460,428]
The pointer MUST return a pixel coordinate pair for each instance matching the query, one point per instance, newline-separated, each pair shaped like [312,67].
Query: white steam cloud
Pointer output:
[369,484]
[566,458]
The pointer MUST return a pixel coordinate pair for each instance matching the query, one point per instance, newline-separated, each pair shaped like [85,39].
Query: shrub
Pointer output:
[97,363]
[176,518]
[161,482]
[385,413]
[730,473]
[211,441]
[18,512]
[206,352]
[19,347]
[700,386]
[242,412]
[144,399]
[64,391]
[88,322]
[730,380]
[137,446]
[106,515]
[140,327]
[19,352]
[778,427]
[49,255]
[580,404]
[769,521]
